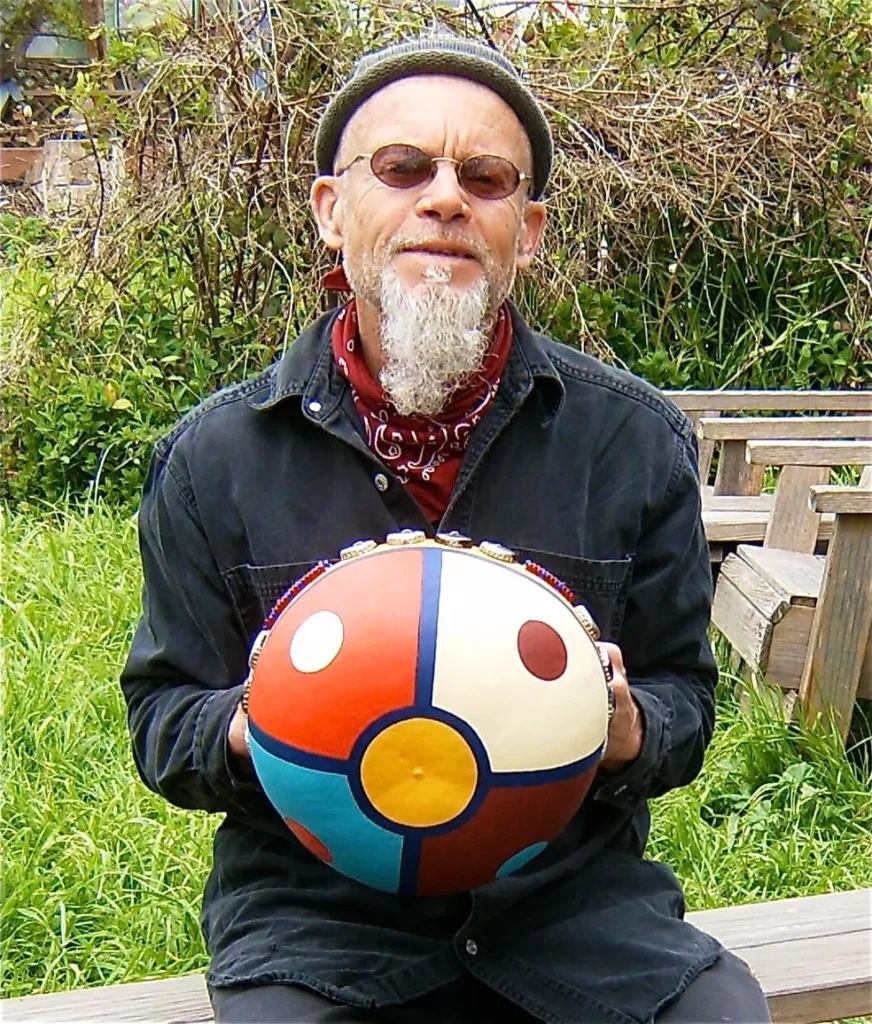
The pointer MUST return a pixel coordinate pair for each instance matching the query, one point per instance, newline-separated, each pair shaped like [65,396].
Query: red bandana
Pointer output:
[425,454]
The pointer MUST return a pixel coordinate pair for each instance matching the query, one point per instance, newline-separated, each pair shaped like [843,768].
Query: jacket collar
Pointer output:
[307,371]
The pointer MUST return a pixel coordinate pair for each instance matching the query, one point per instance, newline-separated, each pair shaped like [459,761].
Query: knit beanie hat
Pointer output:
[441,54]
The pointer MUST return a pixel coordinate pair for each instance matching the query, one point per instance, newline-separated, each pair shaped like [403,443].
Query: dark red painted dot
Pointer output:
[542,650]
[312,843]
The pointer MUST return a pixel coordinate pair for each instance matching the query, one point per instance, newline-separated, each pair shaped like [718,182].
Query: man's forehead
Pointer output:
[417,108]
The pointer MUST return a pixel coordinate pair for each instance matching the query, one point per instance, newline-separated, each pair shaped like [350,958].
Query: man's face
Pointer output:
[408,231]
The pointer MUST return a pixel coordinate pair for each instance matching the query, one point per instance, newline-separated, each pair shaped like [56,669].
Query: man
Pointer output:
[426,402]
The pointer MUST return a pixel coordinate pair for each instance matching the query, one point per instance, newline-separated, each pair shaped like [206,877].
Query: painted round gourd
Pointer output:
[427,715]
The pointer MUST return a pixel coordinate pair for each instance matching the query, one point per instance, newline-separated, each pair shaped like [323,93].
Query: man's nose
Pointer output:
[443,199]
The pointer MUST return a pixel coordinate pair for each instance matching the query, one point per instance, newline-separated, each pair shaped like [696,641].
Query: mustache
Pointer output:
[474,249]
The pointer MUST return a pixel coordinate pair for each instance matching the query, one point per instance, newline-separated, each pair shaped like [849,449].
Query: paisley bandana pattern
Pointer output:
[425,454]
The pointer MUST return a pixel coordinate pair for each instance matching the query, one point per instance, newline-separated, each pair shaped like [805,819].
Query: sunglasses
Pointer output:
[402,166]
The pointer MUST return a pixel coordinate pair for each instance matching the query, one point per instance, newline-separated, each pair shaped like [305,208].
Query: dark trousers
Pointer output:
[726,993]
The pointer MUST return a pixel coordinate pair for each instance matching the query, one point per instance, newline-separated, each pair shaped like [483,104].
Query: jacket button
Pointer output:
[381,482]
[315,406]
[471,947]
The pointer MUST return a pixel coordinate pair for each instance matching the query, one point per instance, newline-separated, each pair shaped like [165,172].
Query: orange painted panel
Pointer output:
[371,655]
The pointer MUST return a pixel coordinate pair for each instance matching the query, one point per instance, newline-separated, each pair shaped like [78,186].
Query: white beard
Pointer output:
[433,339]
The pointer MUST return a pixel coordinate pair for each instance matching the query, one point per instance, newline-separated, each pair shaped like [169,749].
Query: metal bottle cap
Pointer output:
[586,619]
[454,540]
[359,547]
[496,551]
[402,537]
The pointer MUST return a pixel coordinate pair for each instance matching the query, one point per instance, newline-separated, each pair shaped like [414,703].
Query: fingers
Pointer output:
[626,728]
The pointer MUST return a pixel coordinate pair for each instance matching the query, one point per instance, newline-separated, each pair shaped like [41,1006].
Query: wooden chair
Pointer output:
[736,475]
[801,620]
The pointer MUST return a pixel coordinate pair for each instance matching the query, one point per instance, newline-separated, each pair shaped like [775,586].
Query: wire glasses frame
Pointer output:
[485,176]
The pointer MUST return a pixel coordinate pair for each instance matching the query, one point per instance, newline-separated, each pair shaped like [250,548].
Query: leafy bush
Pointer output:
[108,372]
[709,213]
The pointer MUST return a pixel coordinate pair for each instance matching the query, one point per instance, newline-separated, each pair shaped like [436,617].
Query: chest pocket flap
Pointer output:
[256,588]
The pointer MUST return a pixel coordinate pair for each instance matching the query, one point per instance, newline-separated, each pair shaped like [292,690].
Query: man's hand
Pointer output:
[626,729]
[237,748]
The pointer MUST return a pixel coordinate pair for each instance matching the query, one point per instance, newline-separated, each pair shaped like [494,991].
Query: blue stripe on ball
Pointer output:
[322,802]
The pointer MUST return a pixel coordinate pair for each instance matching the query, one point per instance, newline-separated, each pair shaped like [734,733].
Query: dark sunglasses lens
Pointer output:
[401,166]
[489,177]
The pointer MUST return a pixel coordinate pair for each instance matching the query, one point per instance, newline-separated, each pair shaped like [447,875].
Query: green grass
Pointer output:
[777,811]
[102,880]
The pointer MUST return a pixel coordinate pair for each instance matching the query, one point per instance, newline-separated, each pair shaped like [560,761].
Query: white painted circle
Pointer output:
[316,642]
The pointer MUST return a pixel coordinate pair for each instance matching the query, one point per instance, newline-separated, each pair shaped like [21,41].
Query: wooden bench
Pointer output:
[800,620]
[810,954]
[752,517]
[734,510]
[729,521]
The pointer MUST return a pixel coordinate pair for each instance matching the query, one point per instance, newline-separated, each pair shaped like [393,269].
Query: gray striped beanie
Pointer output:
[437,55]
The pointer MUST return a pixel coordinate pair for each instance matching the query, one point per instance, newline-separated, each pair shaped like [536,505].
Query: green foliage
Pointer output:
[729,321]
[103,880]
[112,368]
[708,224]
[778,811]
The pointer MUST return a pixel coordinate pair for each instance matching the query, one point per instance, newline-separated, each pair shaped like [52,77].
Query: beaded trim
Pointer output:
[550,579]
[317,570]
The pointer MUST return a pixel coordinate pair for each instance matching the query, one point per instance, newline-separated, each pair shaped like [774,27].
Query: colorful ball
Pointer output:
[427,716]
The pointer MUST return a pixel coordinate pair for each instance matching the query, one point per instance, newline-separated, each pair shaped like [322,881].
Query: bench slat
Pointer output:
[777,921]
[742,526]
[739,526]
[797,576]
[736,502]
[761,428]
[851,500]
[834,984]
[808,453]
[786,401]
[811,954]
[167,1001]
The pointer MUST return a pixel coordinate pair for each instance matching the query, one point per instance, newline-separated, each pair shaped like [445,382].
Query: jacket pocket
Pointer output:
[256,588]
[600,585]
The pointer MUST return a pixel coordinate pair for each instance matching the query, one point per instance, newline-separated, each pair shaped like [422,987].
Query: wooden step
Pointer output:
[810,954]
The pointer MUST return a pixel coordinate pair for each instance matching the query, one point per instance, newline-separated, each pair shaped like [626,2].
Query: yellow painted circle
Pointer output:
[419,772]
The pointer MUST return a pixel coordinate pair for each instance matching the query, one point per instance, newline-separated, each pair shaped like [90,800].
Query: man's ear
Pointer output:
[532,226]
[327,208]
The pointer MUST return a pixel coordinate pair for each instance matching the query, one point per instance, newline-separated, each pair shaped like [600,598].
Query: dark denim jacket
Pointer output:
[581,467]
